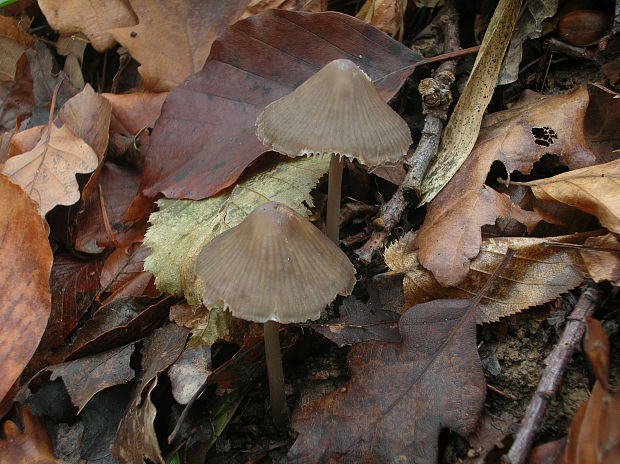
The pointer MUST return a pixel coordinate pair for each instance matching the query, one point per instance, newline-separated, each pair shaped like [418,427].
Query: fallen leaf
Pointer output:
[132,112]
[461,131]
[547,453]
[121,321]
[136,438]
[14,40]
[594,190]
[601,125]
[32,446]
[189,28]
[87,115]
[25,297]
[257,6]
[47,172]
[400,395]
[536,274]
[91,18]
[85,377]
[602,258]
[597,349]
[189,372]
[375,320]
[386,15]
[123,274]
[181,228]
[204,138]
[99,222]
[16,99]
[518,137]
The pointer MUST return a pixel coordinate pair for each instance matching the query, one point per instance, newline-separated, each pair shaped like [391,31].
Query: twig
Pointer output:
[555,364]
[436,99]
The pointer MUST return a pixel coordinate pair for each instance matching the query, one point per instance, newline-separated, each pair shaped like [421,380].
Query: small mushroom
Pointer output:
[273,267]
[336,112]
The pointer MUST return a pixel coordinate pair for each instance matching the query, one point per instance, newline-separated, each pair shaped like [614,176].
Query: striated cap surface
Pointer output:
[336,111]
[275,265]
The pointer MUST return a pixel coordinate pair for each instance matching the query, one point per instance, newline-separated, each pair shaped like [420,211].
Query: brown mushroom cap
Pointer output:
[275,265]
[336,111]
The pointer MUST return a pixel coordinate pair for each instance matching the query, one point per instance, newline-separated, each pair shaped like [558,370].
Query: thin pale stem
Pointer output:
[279,409]
[333,198]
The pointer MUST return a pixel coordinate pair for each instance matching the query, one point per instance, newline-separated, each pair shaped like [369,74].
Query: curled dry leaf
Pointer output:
[25,298]
[536,274]
[181,228]
[189,28]
[400,394]
[597,348]
[91,18]
[132,112]
[136,437]
[85,377]
[205,136]
[602,258]
[47,172]
[14,40]
[518,137]
[17,100]
[594,190]
[32,446]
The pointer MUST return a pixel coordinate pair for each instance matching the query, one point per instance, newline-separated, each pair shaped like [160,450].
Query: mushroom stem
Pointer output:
[333,198]
[279,409]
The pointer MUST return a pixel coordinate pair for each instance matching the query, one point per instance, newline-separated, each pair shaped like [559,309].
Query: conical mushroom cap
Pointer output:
[336,111]
[275,265]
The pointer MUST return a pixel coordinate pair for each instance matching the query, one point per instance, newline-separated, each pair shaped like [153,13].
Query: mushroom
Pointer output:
[336,112]
[273,267]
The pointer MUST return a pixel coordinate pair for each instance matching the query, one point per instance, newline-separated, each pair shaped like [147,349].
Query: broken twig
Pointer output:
[436,100]
[555,364]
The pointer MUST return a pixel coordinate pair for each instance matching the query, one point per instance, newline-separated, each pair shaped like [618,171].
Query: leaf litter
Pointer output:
[181,124]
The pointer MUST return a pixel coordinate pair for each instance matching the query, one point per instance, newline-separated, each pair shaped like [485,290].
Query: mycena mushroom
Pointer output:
[273,267]
[336,112]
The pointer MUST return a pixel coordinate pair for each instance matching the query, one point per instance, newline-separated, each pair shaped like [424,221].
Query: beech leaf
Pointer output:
[47,172]
[181,228]
[25,299]
[536,274]
[400,395]
[205,137]
[602,258]
[189,28]
[450,235]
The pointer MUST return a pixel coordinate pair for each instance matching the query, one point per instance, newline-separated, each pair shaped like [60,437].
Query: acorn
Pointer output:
[583,27]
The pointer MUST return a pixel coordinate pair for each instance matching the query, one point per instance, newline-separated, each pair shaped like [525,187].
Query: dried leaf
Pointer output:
[387,15]
[16,98]
[85,377]
[181,228]
[14,40]
[602,259]
[123,275]
[91,18]
[47,172]
[450,235]
[189,28]
[400,395]
[205,138]
[256,6]
[594,190]
[136,437]
[132,112]
[535,275]
[32,446]
[462,129]
[25,298]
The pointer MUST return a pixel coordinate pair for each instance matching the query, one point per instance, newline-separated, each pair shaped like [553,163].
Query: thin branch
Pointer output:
[436,100]
[555,365]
